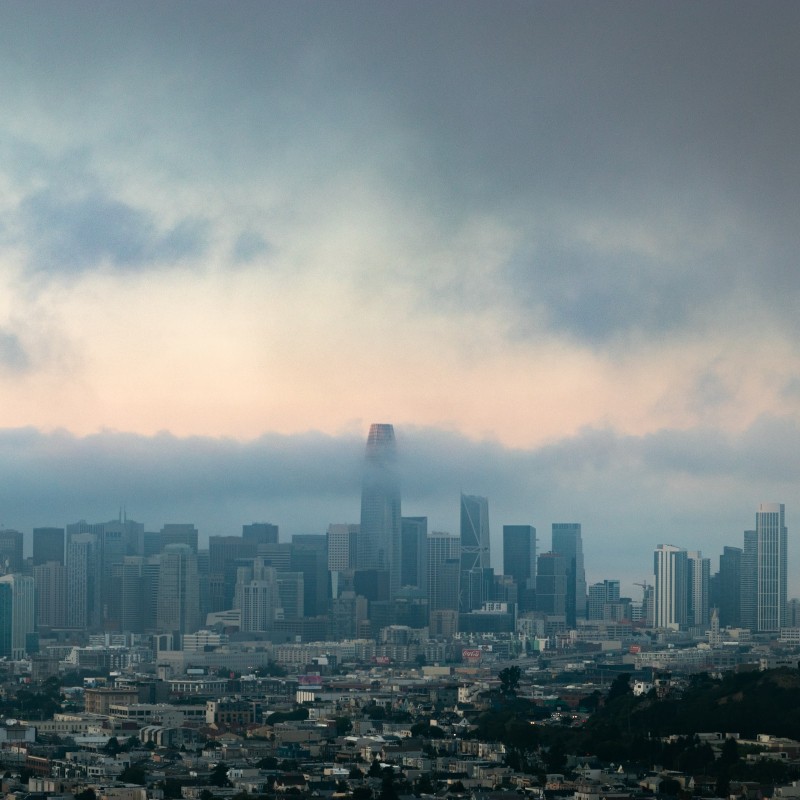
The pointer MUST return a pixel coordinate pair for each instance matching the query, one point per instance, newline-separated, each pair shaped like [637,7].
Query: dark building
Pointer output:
[551,584]
[260,533]
[749,581]
[310,557]
[414,552]
[225,553]
[179,533]
[372,584]
[728,587]
[567,541]
[48,546]
[10,551]
[519,561]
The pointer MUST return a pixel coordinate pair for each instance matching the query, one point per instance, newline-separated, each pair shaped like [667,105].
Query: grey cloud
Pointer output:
[545,114]
[250,245]
[698,488]
[13,356]
[72,235]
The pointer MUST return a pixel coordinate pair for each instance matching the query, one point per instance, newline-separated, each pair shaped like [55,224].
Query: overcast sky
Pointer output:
[554,243]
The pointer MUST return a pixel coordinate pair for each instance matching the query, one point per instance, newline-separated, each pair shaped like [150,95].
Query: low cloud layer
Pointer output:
[561,240]
[698,489]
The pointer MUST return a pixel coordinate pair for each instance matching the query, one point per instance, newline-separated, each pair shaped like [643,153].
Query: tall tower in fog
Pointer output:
[380,534]
[771,537]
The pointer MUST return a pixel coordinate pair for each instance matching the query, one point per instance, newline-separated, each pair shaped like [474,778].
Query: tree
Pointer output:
[219,775]
[343,725]
[730,752]
[509,680]
[86,794]
[388,791]
[134,773]
[620,686]
[375,769]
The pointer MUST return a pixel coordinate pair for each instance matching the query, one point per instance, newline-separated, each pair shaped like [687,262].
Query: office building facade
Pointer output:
[771,536]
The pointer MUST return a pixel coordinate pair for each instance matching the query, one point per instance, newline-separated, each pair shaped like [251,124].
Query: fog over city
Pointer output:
[555,244]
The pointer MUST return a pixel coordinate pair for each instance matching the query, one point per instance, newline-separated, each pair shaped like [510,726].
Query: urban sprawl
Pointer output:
[383,660]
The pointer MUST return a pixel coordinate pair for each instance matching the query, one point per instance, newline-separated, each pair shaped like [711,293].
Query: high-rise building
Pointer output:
[23,612]
[48,545]
[604,602]
[179,533]
[260,533]
[444,567]
[223,554]
[519,561]
[379,536]
[178,590]
[729,587]
[671,589]
[414,552]
[83,581]
[257,596]
[551,584]
[475,556]
[50,585]
[138,589]
[772,567]
[698,579]
[749,592]
[10,551]
[310,558]
[342,546]
[568,542]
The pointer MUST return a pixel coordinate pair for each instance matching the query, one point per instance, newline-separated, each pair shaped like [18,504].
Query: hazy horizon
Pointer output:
[554,244]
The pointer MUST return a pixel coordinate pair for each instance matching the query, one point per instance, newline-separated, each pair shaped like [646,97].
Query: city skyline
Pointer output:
[380,494]
[554,246]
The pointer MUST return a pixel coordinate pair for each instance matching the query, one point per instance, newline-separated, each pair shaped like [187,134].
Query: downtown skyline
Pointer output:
[600,555]
[555,246]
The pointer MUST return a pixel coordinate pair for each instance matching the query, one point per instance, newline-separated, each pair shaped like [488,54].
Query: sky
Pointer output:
[554,243]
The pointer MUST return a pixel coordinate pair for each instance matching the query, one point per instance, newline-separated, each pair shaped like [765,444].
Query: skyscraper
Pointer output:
[474,550]
[23,619]
[178,533]
[260,533]
[729,587]
[749,584]
[50,585]
[83,581]
[551,584]
[698,579]
[603,603]
[178,590]
[519,561]
[48,545]
[444,566]
[568,542]
[379,535]
[772,537]
[10,551]
[671,595]
[414,552]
